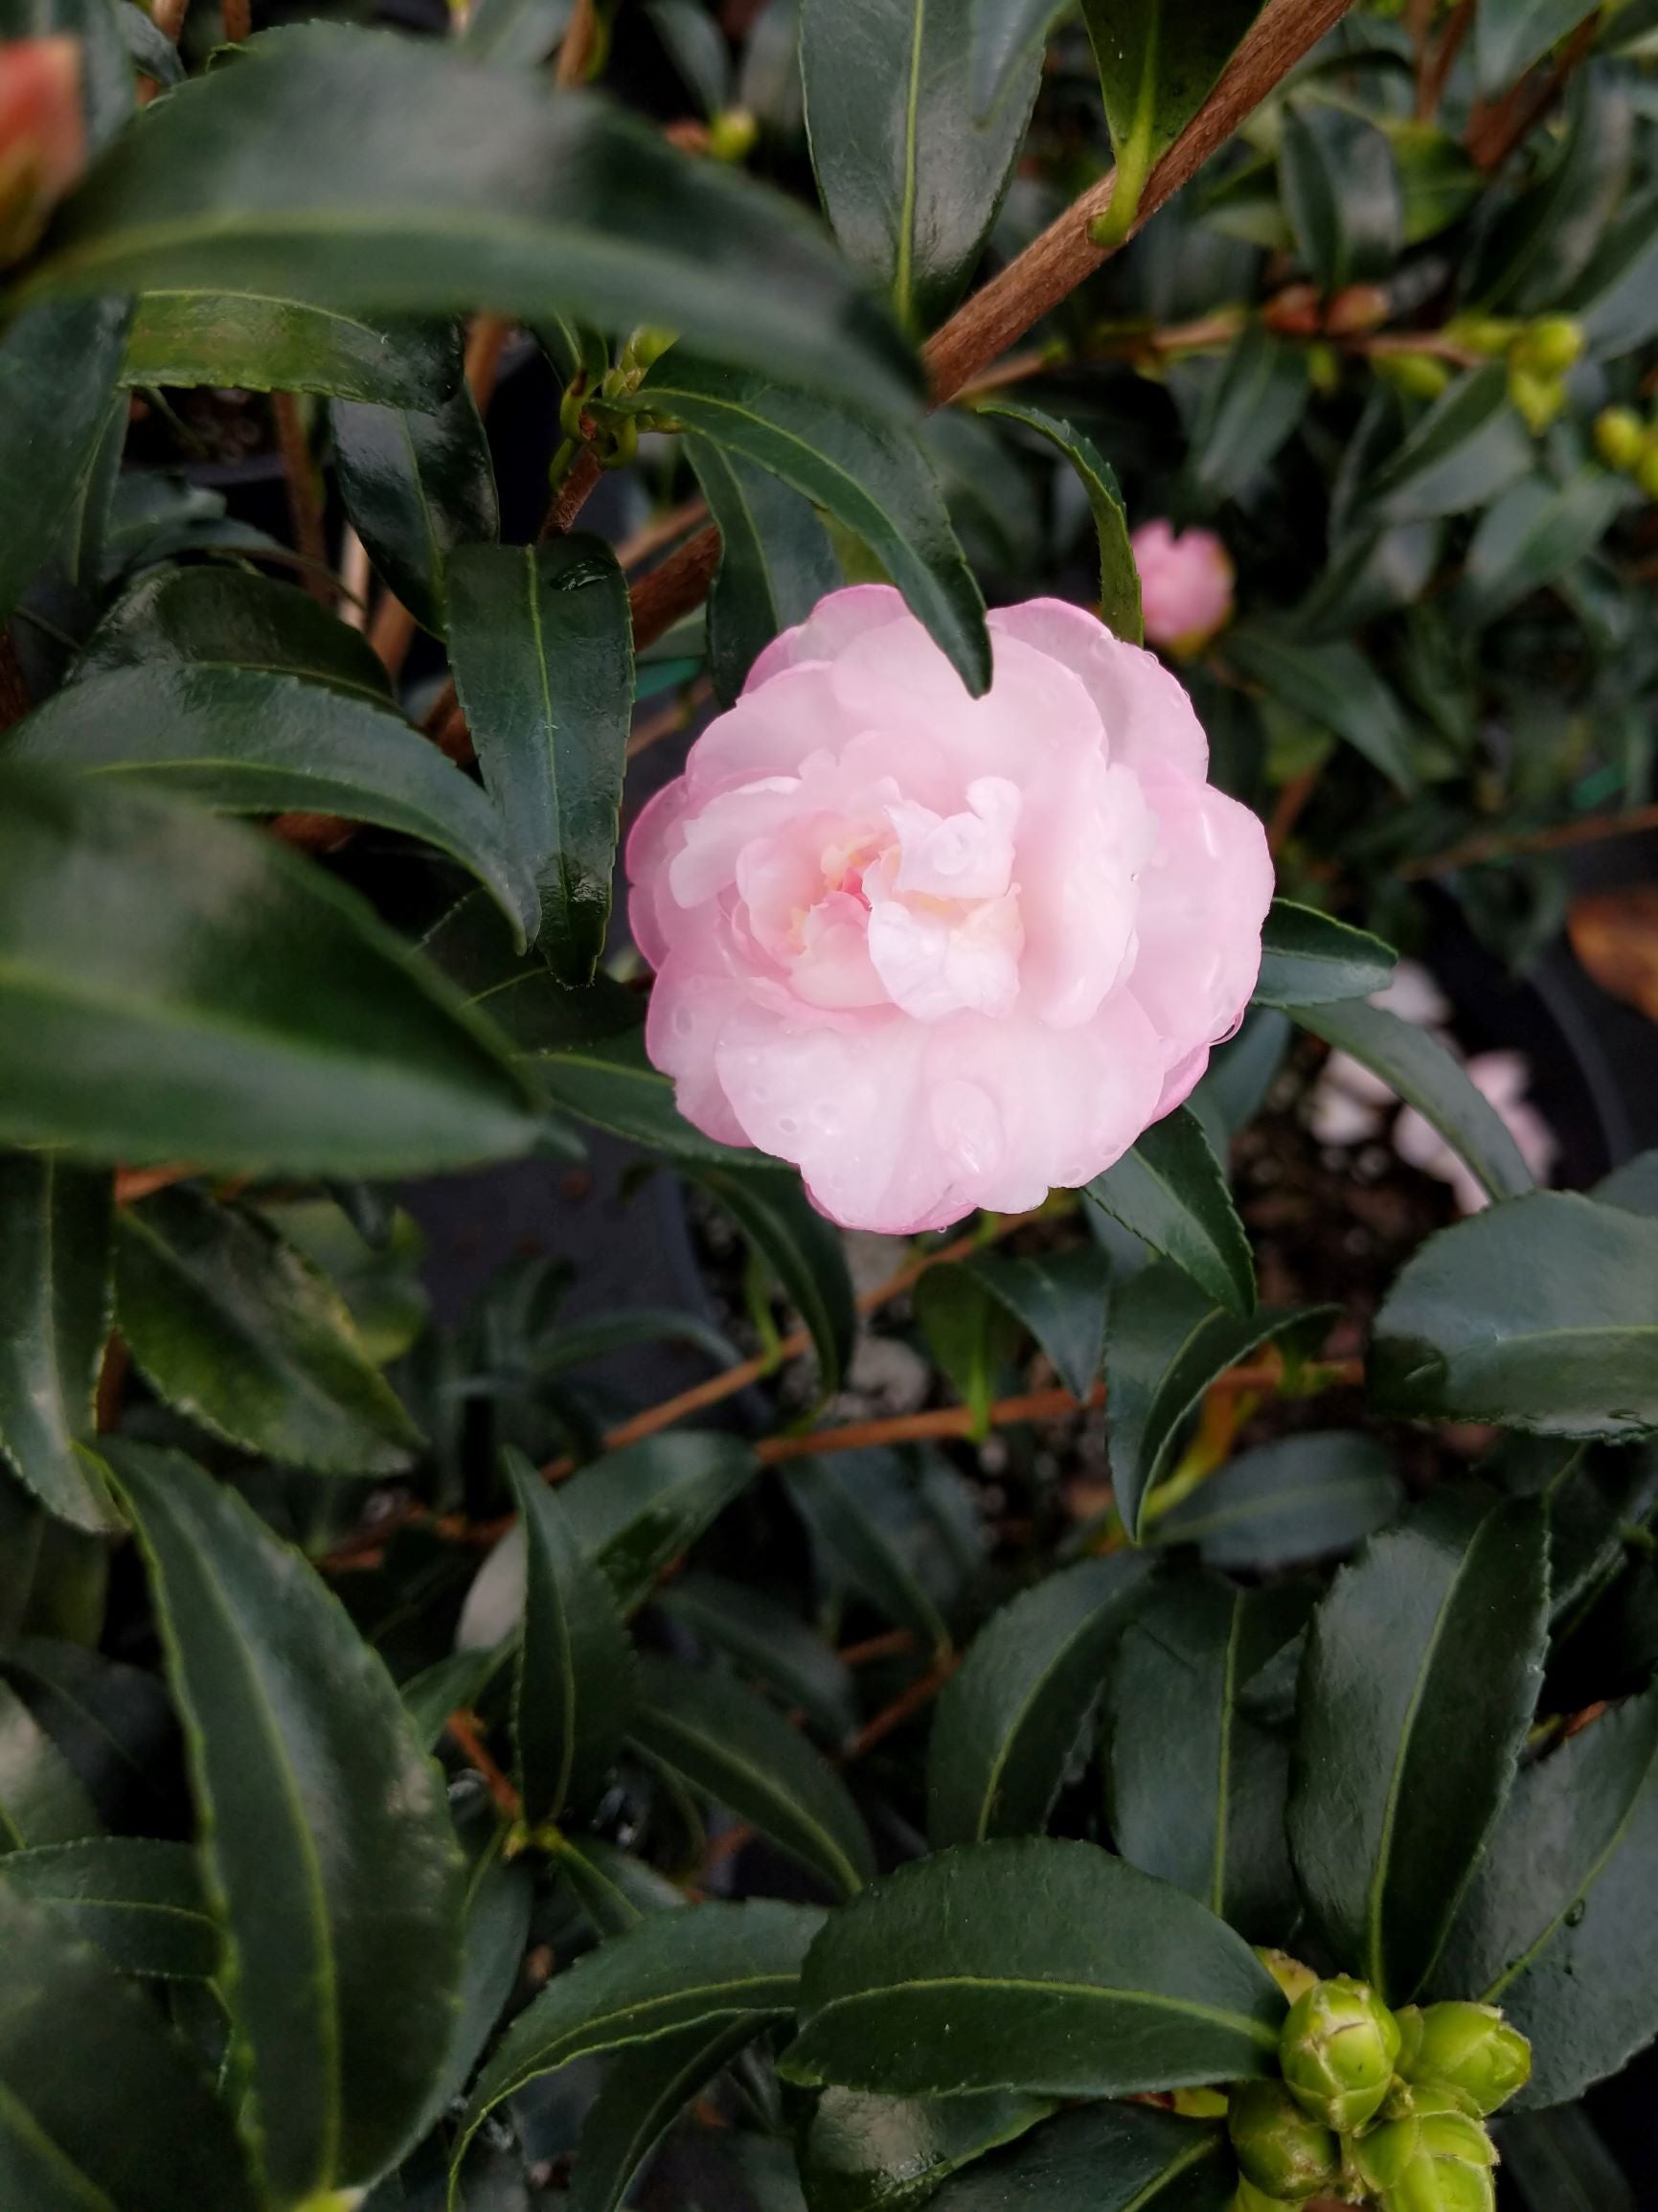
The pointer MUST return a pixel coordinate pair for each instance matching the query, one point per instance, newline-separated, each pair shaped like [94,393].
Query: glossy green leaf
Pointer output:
[970,1334]
[804,1251]
[911,159]
[1510,34]
[54,1315]
[575,1693]
[1421,1672]
[174,987]
[218,617]
[1303,1497]
[1002,29]
[1158,60]
[1634,1186]
[112,1723]
[1437,181]
[415,486]
[137,1901]
[1539,1314]
[866,2153]
[1255,400]
[636,1510]
[1010,1719]
[543,655]
[613,1888]
[1415,1066]
[613,1084]
[644,2088]
[1556,1925]
[1103,2158]
[380,1283]
[1539,243]
[448,1685]
[1468,448]
[1034,1965]
[1341,191]
[1334,686]
[1308,957]
[101,2104]
[248,742]
[1241,1073]
[869,474]
[1166,1342]
[518,994]
[311,171]
[519,33]
[775,562]
[1118,573]
[1060,1297]
[1171,1190]
[250,1339]
[41,1798]
[257,341]
[57,374]
[500,1899]
[1615,298]
[734,1747]
[770,1645]
[1535,533]
[327,1840]
[831,1495]
[1196,1789]
[725,1964]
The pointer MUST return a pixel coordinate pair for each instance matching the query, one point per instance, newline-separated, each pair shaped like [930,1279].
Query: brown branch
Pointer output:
[579,43]
[1437,61]
[238,20]
[304,505]
[464,1727]
[1495,133]
[573,494]
[908,1702]
[1499,845]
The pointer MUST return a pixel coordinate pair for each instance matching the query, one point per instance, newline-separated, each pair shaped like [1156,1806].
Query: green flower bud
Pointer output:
[1549,346]
[1647,467]
[1436,2158]
[1490,334]
[1290,1976]
[1278,2148]
[1539,399]
[1423,375]
[1467,2049]
[1620,435]
[732,134]
[1337,2051]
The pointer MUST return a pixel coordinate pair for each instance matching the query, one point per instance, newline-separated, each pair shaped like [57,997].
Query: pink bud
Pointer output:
[42,134]
[1185,586]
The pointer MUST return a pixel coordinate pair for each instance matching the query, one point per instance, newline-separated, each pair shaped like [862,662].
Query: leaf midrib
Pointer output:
[1105,1993]
[768,1786]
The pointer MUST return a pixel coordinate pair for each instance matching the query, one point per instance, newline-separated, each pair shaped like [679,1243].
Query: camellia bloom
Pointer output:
[944,952]
[1184,585]
[42,134]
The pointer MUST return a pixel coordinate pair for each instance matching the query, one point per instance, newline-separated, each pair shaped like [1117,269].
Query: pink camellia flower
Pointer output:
[42,134]
[944,952]
[1184,585]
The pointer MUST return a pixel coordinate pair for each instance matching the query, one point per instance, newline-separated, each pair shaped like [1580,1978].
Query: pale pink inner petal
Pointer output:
[1146,716]
[828,629]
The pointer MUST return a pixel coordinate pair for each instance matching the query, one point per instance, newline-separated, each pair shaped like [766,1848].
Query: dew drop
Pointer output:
[788,1126]
[1574,1912]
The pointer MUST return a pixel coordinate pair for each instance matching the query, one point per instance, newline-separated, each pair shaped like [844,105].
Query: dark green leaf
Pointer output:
[415,486]
[1615,299]
[1060,1297]
[58,373]
[1335,686]
[866,2153]
[328,1846]
[1424,1075]
[55,1315]
[1158,60]
[1308,957]
[1032,1965]
[519,994]
[1510,34]
[1541,243]
[644,2087]
[543,655]
[1341,191]
[1535,533]
[517,33]
[1119,573]
[1241,1073]
[613,1888]
[263,342]
[1009,1721]
[770,1645]
[230,617]
[720,1964]
[911,159]
[380,1283]
[969,1335]
[635,1325]
[1256,398]
[139,1902]
[311,171]
[246,1337]
[1539,1314]
[1301,1498]
[695,45]
[1556,1925]
[176,988]
[870,475]
[802,1250]
[1634,1186]
[1166,1341]
[112,1723]
[775,562]
[1437,180]
[248,742]
[1420,1676]
[1373,574]
[1103,2158]
[737,1749]
[1468,448]
[613,1086]
[495,1933]
[576,1692]
[1001,32]
[636,1510]
[103,2106]
[1171,1190]
[446,1686]
[1196,1789]
[831,1495]
[41,1800]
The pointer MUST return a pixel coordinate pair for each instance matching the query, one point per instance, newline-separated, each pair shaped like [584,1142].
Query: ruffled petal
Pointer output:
[828,629]
[1202,902]
[1147,718]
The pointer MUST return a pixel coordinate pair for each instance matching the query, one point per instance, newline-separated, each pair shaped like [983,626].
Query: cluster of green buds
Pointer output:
[1375,2107]
[588,415]
[1627,443]
[1539,354]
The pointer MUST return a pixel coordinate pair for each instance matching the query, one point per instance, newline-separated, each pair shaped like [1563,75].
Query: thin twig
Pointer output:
[1499,845]
[464,1727]
[237,17]
[908,1702]
[1495,134]
[661,531]
[1436,65]
[579,45]
[573,494]
[304,505]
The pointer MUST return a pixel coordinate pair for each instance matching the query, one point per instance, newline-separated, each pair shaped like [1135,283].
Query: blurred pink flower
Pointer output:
[1185,586]
[944,952]
[42,134]
[1502,1078]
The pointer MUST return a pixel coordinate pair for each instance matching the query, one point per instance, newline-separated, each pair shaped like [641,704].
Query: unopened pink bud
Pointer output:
[42,134]
[1185,586]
